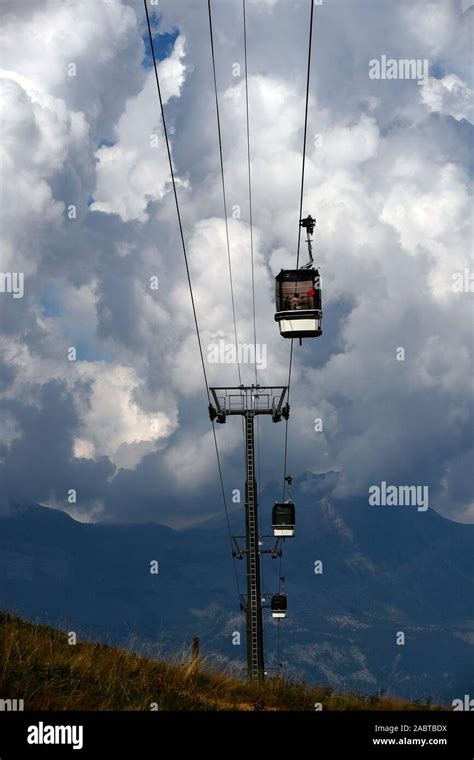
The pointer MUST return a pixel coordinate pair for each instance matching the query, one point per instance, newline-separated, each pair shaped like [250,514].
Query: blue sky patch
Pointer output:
[437,71]
[163,42]
[51,303]
[105,141]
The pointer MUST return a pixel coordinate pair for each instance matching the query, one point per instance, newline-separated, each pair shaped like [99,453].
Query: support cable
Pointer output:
[250,186]
[305,133]
[224,194]
[183,242]
[279,621]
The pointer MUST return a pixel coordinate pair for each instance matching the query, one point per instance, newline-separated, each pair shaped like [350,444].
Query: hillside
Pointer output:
[383,572]
[37,661]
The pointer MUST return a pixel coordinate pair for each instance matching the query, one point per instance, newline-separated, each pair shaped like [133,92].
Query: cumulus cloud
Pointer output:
[387,182]
[44,126]
[449,96]
[134,170]
[113,424]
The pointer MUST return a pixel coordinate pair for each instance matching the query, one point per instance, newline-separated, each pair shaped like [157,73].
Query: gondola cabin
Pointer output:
[298,303]
[283,519]
[279,606]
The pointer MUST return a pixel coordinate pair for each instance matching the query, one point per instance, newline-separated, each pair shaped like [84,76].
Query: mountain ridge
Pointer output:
[383,571]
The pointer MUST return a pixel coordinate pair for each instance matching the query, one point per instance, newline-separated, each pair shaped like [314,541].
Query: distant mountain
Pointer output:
[385,570]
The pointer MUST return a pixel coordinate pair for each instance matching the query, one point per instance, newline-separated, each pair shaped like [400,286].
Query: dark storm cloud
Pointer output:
[38,464]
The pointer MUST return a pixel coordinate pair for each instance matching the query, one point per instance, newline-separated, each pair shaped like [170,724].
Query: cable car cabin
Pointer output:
[279,606]
[283,519]
[298,303]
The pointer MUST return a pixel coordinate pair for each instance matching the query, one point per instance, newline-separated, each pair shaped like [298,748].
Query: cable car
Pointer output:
[279,605]
[298,296]
[283,519]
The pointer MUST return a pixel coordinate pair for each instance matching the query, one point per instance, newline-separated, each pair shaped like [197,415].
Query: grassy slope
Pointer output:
[38,665]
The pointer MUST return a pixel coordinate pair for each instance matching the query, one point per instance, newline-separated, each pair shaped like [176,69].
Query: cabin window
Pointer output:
[298,296]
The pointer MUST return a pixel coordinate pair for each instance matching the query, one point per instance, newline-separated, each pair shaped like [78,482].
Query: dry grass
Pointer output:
[38,665]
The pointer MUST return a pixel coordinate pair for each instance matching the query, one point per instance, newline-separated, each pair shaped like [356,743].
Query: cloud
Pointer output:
[449,96]
[102,42]
[37,465]
[113,424]
[387,182]
[134,170]
[45,126]
[433,23]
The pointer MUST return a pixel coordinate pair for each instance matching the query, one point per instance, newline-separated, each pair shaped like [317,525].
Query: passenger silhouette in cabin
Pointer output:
[295,301]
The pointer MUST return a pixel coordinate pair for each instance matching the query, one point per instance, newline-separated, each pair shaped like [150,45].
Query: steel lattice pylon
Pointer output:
[249,401]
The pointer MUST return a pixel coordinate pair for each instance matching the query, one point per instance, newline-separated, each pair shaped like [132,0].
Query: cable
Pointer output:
[224,196]
[177,202]
[279,621]
[285,459]
[308,75]
[226,510]
[305,129]
[190,283]
[297,265]
[250,188]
